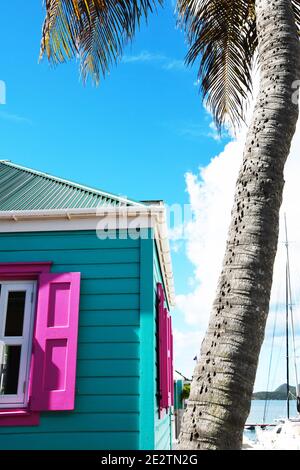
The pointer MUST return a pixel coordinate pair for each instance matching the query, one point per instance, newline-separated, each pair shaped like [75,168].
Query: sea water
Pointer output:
[275,409]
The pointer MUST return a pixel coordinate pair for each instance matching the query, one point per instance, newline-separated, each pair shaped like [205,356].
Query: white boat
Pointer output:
[285,433]
[284,436]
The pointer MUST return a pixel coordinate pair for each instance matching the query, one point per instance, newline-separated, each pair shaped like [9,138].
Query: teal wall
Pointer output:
[116,387]
[116,406]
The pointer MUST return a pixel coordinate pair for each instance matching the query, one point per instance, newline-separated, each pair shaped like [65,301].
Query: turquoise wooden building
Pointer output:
[85,330]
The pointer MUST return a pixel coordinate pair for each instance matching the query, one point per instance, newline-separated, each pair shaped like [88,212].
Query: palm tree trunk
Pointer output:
[224,376]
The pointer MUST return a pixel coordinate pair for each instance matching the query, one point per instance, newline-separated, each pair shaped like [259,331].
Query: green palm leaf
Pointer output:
[223,34]
[296,6]
[95,31]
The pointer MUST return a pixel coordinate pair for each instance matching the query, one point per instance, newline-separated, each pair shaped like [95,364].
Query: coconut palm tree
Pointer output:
[226,36]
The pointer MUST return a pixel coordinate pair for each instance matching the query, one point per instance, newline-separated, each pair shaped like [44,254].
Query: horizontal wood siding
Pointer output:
[147,380]
[163,428]
[107,409]
[70,440]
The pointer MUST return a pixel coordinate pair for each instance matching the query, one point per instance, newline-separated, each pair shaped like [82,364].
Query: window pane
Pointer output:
[15,313]
[9,369]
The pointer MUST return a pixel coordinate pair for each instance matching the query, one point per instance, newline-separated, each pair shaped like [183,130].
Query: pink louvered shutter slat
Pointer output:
[169,340]
[165,402]
[55,342]
[162,348]
[168,343]
[171,370]
[165,345]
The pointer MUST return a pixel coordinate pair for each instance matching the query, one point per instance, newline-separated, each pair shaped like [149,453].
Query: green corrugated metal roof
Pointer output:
[26,189]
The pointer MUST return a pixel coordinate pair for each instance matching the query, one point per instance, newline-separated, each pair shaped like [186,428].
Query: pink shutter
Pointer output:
[169,358]
[171,366]
[165,352]
[55,342]
[164,360]
[161,345]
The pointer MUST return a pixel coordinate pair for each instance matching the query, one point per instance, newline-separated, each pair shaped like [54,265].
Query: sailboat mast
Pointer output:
[287,349]
[287,321]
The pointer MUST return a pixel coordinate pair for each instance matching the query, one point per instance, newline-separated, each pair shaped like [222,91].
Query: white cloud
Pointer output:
[211,196]
[214,132]
[200,130]
[16,118]
[193,130]
[144,56]
[187,347]
[174,64]
[165,62]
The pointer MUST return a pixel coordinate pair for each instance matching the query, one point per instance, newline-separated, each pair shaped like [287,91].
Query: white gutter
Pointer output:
[92,212]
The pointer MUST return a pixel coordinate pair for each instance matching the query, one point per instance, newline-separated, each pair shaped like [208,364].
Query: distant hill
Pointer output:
[278,394]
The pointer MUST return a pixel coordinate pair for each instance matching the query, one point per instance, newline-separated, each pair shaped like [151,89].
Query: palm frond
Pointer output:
[296,7]
[57,42]
[222,33]
[95,31]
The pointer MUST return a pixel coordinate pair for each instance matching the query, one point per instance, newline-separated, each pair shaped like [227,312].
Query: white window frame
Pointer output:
[20,399]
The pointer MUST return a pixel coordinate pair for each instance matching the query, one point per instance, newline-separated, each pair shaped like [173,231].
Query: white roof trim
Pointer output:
[90,219]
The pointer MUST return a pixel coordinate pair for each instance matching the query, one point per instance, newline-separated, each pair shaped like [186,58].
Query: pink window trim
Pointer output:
[19,417]
[20,271]
[23,270]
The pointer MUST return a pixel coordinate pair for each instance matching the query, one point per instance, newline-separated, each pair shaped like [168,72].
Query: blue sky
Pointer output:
[146,118]
[137,134]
